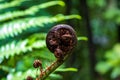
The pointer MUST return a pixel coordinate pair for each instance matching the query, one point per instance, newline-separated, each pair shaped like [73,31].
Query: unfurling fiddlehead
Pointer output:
[60,40]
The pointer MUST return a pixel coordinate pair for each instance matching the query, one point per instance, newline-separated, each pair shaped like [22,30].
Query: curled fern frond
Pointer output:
[16,27]
[11,4]
[32,10]
[21,46]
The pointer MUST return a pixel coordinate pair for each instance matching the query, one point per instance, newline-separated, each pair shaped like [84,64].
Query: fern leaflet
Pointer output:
[22,46]
[32,10]
[16,27]
[11,4]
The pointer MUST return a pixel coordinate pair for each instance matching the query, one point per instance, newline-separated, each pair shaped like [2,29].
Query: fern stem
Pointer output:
[52,68]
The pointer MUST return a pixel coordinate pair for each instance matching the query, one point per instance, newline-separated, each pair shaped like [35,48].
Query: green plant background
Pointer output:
[25,23]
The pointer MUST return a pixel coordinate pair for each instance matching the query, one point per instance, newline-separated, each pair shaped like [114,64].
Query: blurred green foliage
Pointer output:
[105,24]
[111,62]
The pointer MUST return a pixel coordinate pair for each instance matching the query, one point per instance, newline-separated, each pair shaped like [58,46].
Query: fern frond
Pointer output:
[32,72]
[82,38]
[6,68]
[22,75]
[22,46]
[11,4]
[16,27]
[11,48]
[32,10]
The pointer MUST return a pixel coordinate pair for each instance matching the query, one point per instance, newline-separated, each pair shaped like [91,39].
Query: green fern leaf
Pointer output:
[82,38]
[16,27]
[32,10]
[22,46]
[22,75]
[11,4]
[32,73]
